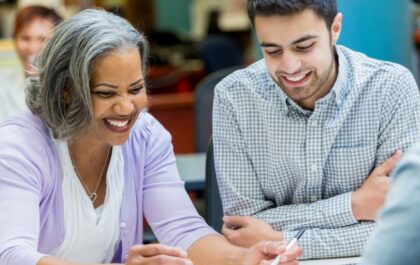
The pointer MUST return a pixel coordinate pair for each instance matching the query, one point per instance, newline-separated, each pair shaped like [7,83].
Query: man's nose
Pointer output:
[290,63]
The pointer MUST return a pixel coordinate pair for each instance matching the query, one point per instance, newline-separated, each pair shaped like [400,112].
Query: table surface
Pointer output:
[343,261]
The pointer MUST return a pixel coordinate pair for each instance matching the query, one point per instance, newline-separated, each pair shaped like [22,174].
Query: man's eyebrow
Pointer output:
[274,45]
[269,45]
[304,38]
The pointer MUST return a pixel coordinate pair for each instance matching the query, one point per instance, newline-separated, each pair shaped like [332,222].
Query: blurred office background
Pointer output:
[195,43]
[193,40]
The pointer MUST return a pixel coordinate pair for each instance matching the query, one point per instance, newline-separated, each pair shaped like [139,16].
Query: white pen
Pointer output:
[289,245]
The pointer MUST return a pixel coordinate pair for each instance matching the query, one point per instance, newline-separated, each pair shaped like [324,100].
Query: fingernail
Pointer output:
[188,262]
[182,252]
[279,247]
[398,153]
[283,258]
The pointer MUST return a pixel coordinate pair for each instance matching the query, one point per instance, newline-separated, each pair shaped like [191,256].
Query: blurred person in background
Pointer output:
[33,25]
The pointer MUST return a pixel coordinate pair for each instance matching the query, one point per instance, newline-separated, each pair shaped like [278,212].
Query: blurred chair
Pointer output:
[219,52]
[213,203]
[204,107]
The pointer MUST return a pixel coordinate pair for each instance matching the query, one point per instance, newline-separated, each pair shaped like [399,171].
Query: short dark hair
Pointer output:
[325,9]
[27,14]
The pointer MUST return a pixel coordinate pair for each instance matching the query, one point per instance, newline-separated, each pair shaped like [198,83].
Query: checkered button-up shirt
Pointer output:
[297,169]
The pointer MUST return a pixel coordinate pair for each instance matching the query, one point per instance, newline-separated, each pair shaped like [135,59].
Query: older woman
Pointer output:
[78,173]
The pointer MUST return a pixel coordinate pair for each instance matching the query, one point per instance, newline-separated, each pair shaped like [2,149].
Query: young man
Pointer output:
[306,137]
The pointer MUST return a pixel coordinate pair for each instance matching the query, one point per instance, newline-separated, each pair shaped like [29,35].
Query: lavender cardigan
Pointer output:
[31,209]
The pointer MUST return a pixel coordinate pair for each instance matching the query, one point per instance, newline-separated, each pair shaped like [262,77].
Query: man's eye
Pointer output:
[136,90]
[272,52]
[305,48]
[104,94]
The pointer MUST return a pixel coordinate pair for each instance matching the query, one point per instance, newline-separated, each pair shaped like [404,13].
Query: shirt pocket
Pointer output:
[346,169]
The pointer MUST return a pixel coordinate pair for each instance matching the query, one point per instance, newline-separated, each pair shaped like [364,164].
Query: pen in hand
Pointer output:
[289,245]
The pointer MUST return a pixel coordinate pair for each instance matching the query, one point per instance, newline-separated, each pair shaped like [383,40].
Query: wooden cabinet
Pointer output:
[176,113]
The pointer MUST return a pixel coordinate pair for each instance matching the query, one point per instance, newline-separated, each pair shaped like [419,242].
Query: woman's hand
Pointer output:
[263,253]
[157,254]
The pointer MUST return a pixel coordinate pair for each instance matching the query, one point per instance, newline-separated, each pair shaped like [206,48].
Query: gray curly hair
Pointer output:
[59,92]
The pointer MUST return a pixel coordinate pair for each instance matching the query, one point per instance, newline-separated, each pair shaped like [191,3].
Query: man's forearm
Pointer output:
[346,241]
[334,212]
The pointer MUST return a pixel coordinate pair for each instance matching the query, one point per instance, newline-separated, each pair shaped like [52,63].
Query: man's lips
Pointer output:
[296,80]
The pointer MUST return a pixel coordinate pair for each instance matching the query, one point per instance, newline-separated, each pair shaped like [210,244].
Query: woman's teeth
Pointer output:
[117,123]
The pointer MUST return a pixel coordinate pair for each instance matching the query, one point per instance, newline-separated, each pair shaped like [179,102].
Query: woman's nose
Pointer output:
[124,105]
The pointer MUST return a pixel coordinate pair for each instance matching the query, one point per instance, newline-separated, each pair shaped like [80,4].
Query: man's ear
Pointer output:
[336,28]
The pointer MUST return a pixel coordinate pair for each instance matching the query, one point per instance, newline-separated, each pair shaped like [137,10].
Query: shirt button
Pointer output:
[123,225]
[314,123]
[313,198]
[314,168]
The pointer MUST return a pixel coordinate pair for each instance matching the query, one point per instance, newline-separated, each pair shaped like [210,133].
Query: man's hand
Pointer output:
[246,231]
[370,197]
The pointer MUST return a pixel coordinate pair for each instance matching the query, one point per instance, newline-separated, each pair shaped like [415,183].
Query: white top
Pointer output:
[12,92]
[91,235]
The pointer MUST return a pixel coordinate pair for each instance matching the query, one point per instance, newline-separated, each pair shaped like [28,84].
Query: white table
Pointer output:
[343,261]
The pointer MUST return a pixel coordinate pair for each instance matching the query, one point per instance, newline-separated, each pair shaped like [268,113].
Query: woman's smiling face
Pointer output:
[118,95]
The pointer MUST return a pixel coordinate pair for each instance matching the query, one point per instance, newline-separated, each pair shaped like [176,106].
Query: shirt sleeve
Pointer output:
[400,117]
[167,206]
[396,239]
[20,196]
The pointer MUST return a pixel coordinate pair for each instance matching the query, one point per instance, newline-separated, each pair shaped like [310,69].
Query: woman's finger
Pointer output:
[158,260]
[151,250]
[291,256]
[271,248]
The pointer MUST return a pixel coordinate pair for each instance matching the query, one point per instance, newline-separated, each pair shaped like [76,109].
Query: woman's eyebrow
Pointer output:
[113,86]
[104,84]
[136,82]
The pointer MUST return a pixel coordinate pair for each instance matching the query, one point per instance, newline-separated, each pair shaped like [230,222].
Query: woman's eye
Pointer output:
[136,90]
[104,94]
